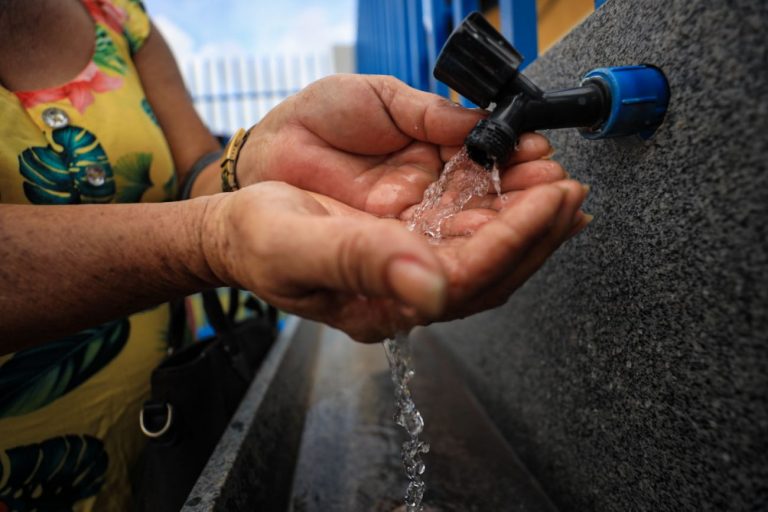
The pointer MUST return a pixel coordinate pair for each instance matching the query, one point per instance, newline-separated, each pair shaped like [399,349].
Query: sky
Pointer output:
[253,27]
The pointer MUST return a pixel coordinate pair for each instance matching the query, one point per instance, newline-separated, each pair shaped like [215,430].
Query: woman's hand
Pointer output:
[372,143]
[324,260]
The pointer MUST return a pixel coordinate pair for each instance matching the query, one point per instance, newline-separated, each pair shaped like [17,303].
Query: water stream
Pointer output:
[407,416]
[461,180]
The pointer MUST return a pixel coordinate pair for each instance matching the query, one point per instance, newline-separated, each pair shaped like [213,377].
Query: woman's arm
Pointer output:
[64,268]
[187,136]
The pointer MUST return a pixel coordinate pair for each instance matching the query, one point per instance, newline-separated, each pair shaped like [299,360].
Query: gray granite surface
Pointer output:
[350,455]
[632,372]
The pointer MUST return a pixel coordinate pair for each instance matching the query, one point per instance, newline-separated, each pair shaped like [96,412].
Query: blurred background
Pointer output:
[239,58]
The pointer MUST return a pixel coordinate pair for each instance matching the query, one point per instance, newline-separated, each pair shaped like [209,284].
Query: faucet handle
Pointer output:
[480,64]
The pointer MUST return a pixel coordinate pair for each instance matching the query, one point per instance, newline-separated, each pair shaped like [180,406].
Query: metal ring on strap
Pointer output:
[166,427]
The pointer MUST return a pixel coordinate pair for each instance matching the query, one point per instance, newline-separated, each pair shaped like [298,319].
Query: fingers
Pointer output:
[531,146]
[531,173]
[519,177]
[499,244]
[425,116]
[582,221]
[370,257]
[569,221]
[448,152]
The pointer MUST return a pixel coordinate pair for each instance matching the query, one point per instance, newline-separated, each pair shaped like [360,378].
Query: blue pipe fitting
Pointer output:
[639,96]
[478,63]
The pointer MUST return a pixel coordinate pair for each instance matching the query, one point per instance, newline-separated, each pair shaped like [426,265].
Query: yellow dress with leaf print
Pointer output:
[69,408]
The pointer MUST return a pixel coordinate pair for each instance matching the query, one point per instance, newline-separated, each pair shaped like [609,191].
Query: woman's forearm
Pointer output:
[64,268]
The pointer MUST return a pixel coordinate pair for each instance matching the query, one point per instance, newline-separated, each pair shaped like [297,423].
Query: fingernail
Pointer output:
[418,286]
[549,154]
[528,144]
[586,188]
[583,218]
[580,222]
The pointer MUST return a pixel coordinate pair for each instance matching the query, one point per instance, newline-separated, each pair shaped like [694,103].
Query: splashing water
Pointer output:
[461,180]
[407,416]
[496,180]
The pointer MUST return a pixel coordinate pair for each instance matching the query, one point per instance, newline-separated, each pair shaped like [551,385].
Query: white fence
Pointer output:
[229,93]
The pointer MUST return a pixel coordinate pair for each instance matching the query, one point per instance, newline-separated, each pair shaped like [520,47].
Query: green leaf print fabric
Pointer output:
[79,172]
[106,56]
[53,475]
[132,177]
[37,376]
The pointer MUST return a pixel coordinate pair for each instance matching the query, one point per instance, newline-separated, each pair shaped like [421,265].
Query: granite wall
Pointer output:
[631,373]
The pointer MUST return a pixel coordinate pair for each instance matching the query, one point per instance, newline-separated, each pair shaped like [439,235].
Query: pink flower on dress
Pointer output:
[79,91]
[107,13]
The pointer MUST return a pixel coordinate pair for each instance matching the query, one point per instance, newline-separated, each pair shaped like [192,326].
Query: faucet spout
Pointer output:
[478,63]
[493,139]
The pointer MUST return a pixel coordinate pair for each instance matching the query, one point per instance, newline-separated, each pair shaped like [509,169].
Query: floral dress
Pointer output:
[69,408]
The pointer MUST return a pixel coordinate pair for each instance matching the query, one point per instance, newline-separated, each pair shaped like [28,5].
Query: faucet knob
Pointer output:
[480,64]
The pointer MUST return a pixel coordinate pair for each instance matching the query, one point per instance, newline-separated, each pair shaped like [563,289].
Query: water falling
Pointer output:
[496,180]
[407,416]
[461,180]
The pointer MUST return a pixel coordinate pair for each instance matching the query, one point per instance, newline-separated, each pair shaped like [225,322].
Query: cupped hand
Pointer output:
[372,143]
[319,258]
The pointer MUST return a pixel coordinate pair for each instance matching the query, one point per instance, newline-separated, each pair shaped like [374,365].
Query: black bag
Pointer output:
[195,391]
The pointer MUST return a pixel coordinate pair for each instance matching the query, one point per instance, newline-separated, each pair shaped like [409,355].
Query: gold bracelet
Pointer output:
[229,160]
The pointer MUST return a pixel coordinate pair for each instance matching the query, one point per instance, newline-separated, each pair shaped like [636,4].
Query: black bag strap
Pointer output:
[234,304]
[223,323]
[176,327]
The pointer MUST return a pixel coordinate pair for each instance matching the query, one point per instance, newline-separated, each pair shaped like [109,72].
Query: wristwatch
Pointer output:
[229,160]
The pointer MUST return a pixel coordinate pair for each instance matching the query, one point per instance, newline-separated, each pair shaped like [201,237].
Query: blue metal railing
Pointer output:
[403,37]
[519,25]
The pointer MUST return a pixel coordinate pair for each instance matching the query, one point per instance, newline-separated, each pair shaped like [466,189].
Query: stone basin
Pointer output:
[315,433]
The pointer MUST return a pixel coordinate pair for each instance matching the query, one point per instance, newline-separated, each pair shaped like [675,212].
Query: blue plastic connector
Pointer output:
[639,98]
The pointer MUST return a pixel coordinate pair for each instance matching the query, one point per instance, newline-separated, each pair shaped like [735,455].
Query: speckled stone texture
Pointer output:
[631,373]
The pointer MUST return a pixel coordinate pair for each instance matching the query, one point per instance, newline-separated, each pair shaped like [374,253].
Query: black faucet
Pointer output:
[478,63]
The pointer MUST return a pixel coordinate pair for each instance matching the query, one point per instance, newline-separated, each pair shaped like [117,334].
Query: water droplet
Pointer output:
[408,417]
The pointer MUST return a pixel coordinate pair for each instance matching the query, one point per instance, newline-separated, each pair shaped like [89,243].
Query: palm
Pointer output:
[371,146]
[370,142]
[373,143]
[345,284]
[383,185]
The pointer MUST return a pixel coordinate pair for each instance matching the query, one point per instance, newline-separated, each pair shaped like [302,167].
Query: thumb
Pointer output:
[371,257]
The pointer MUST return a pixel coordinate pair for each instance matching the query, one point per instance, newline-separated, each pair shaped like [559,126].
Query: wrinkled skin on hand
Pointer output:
[337,168]
[373,143]
[369,276]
